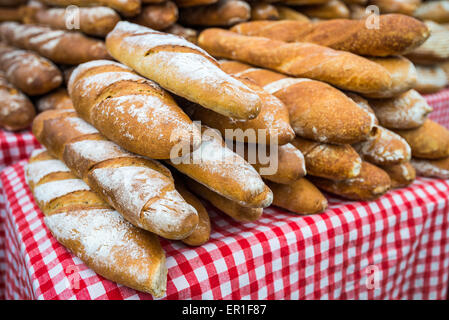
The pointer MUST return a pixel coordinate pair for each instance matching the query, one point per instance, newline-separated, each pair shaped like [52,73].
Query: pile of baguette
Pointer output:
[135,105]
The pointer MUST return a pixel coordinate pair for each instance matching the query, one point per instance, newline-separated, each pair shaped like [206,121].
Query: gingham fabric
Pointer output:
[393,248]
[440,103]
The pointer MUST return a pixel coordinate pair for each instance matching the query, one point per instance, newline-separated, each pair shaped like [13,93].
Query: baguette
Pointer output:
[371,184]
[230,208]
[263,11]
[302,2]
[187,33]
[438,168]
[406,7]
[384,147]
[328,160]
[363,103]
[16,110]
[403,75]
[128,8]
[429,141]
[300,197]
[12,3]
[437,11]
[430,79]
[29,72]
[193,3]
[342,69]
[158,16]
[59,46]
[317,111]
[334,9]
[11,14]
[93,231]
[172,62]
[401,175]
[130,110]
[407,111]
[396,34]
[223,13]
[272,125]
[94,21]
[56,100]
[142,190]
[286,13]
[224,172]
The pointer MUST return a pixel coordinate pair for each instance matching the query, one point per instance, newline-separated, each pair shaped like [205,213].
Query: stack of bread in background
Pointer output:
[120,84]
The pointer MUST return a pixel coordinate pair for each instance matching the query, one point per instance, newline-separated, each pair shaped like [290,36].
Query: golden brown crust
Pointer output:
[56,100]
[371,184]
[401,175]
[430,79]
[437,11]
[187,33]
[396,34]
[438,168]
[300,197]
[406,7]
[286,13]
[11,14]
[193,3]
[334,9]
[158,16]
[263,11]
[429,141]
[128,8]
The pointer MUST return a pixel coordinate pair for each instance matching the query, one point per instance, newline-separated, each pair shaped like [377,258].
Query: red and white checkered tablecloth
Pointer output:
[404,236]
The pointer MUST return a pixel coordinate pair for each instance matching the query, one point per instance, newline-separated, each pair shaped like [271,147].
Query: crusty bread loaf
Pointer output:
[300,197]
[401,175]
[371,184]
[193,3]
[231,208]
[406,7]
[55,100]
[142,190]
[263,11]
[158,16]
[342,69]
[396,34]
[217,167]
[302,2]
[403,75]
[223,13]
[187,33]
[407,111]
[12,3]
[29,72]
[11,14]
[333,9]
[286,13]
[430,79]
[57,45]
[336,162]
[128,8]
[429,141]
[384,147]
[437,11]
[92,230]
[95,21]
[363,103]
[438,168]
[130,110]
[16,110]
[172,62]
[317,110]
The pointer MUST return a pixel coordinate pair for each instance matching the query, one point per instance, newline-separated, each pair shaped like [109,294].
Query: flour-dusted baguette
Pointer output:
[193,3]
[317,110]
[406,7]
[336,162]
[430,79]
[142,190]
[437,11]
[92,230]
[95,21]
[407,111]
[384,147]
[173,62]
[263,11]
[334,9]
[220,169]
[403,75]
[300,197]
[286,13]
[435,49]
[16,110]
[401,175]
[231,208]
[271,126]
[223,13]
[130,110]
[396,34]
[363,103]
[429,141]
[128,8]
[158,16]
[438,168]
[342,69]
[187,33]
[371,184]
[55,100]
[57,45]
[29,72]
[284,164]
